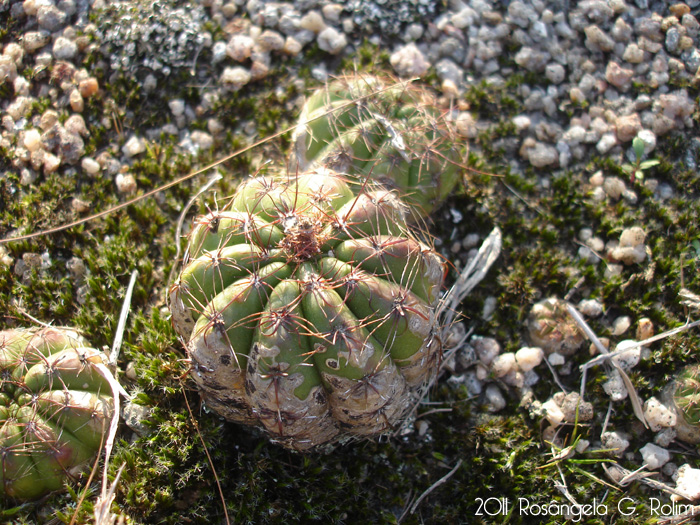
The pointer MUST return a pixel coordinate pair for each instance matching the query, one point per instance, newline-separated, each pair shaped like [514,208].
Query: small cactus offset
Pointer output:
[686,395]
[309,310]
[376,128]
[55,409]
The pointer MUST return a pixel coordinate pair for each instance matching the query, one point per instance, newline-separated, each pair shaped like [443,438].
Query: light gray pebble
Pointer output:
[64,49]
[50,18]
[673,40]
[218,52]
[598,40]
[464,18]
[446,69]
[495,402]
[413,32]
[555,73]
[542,155]
[408,61]
[606,143]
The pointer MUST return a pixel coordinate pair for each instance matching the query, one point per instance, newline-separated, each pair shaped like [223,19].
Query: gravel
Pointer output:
[604,75]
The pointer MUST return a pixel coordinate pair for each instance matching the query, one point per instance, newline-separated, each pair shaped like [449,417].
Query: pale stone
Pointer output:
[240,47]
[553,412]
[503,364]
[494,399]
[528,358]
[32,140]
[134,146]
[627,127]
[615,441]
[654,456]
[628,354]
[331,40]
[621,325]
[235,77]
[688,482]
[313,21]
[658,415]
[408,61]
[126,184]
[90,166]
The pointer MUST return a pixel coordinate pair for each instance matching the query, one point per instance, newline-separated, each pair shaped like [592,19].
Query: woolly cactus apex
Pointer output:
[55,409]
[552,328]
[392,133]
[309,311]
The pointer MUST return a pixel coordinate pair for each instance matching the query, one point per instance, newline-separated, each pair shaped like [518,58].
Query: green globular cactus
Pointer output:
[384,130]
[55,409]
[308,310]
[686,400]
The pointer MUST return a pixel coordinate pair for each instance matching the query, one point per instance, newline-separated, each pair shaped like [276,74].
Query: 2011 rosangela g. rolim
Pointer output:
[625,507]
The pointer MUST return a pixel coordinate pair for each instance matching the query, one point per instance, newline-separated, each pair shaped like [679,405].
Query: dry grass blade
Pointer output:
[126,306]
[181,220]
[620,475]
[206,451]
[689,298]
[103,514]
[472,275]
[684,517]
[634,397]
[434,486]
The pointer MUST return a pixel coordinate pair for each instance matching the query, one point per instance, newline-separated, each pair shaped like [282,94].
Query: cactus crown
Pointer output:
[687,394]
[55,408]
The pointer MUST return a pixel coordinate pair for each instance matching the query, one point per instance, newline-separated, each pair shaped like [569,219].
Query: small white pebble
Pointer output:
[90,165]
[51,162]
[313,21]
[331,40]
[556,359]
[688,482]
[235,78]
[32,140]
[614,186]
[615,386]
[134,146]
[621,325]
[553,412]
[125,182]
[582,445]
[528,358]
[658,415]
[495,401]
[177,107]
[486,349]
[654,456]
[503,364]
[590,307]
[615,441]
[665,436]
[628,354]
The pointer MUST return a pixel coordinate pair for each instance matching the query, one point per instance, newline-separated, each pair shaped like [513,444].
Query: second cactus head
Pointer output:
[384,130]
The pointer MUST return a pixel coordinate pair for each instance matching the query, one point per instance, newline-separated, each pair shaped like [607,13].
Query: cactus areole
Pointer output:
[55,409]
[309,310]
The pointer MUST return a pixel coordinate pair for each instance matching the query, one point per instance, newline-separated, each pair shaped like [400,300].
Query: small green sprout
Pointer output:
[636,170]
